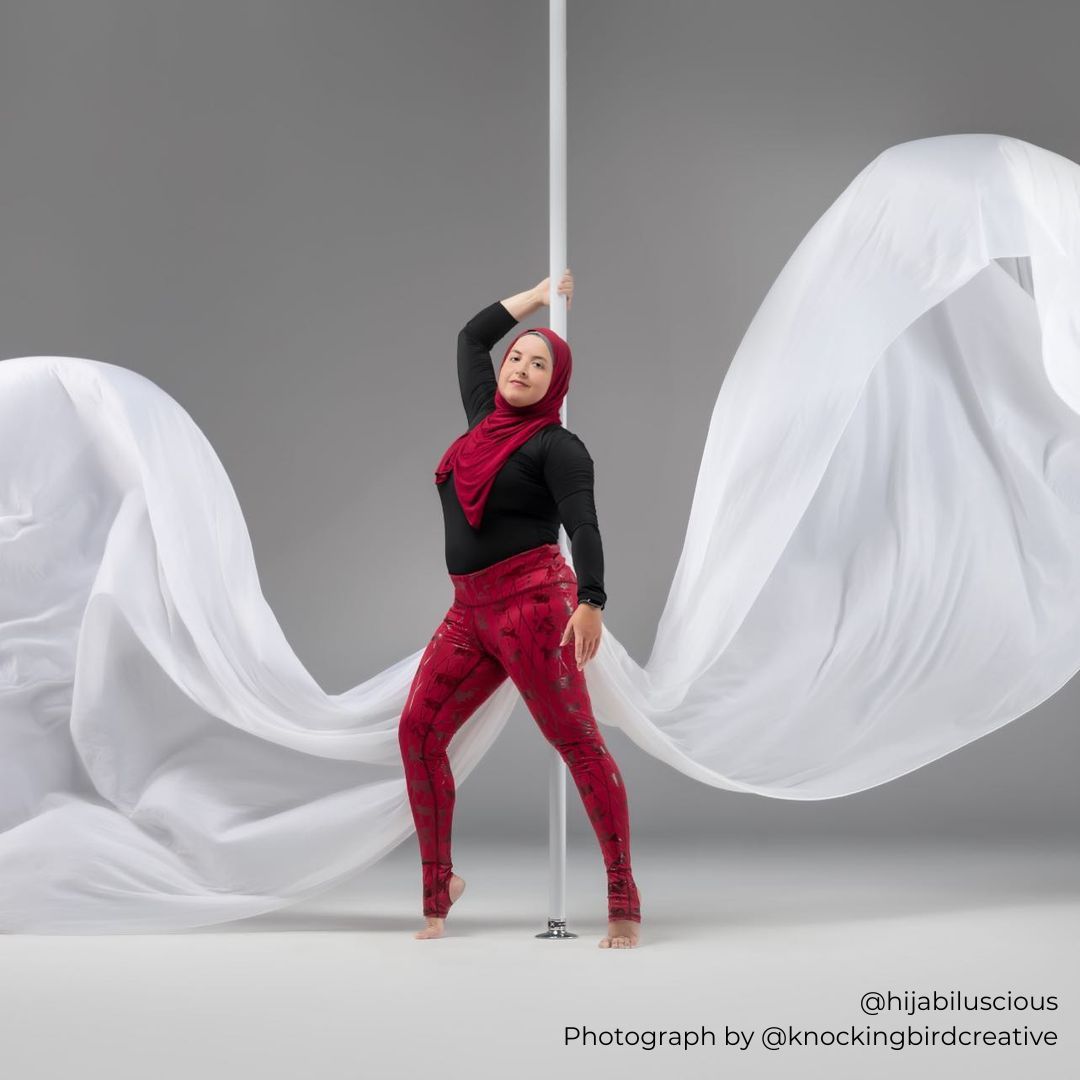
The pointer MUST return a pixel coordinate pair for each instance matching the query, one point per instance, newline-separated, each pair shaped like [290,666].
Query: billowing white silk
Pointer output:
[881,564]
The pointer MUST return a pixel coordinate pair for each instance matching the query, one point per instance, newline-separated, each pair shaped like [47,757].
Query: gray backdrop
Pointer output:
[282,212]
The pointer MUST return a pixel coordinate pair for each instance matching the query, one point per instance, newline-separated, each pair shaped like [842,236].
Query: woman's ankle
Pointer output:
[436,891]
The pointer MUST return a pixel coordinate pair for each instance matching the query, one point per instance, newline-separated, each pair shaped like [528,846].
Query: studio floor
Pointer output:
[748,943]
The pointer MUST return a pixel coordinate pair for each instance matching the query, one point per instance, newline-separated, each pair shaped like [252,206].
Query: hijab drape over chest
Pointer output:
[475,457]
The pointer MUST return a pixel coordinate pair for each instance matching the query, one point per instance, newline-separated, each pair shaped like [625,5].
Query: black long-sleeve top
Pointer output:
[545,481]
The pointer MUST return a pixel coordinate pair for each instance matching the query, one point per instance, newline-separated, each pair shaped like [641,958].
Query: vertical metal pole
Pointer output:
[557,264]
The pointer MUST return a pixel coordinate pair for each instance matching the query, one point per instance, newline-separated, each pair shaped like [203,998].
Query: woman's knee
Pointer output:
[413,730]
[579,747]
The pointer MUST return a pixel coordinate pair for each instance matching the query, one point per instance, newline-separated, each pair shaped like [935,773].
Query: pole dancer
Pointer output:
[505,485]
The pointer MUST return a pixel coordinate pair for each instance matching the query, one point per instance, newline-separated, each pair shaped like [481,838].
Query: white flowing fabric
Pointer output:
[881,564]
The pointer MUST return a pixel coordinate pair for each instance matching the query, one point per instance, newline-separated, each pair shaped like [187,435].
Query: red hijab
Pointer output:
[478,455]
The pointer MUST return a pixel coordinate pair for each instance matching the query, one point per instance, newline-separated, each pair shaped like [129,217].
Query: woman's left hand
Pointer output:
[585,627]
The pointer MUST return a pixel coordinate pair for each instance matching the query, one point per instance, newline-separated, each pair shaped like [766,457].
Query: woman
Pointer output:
[505,486]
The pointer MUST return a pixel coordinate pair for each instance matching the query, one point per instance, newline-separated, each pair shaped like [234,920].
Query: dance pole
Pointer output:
[557,264]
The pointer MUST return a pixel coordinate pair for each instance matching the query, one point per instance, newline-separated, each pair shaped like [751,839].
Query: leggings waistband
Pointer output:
[534,568]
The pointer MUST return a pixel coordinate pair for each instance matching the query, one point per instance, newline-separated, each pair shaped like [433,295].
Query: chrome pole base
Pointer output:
[556,929]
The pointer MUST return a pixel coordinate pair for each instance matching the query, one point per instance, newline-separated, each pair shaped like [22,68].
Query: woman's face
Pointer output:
[529,362]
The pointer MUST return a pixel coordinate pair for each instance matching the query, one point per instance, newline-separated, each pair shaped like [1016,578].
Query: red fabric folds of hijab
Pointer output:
[475,457]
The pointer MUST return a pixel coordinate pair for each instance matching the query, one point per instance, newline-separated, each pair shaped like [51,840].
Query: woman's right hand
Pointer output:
[566,285]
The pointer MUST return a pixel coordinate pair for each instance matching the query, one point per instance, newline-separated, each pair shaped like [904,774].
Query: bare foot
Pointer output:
[621,934]
[435,925]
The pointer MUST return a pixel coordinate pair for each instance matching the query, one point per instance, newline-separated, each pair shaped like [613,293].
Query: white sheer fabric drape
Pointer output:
[881,564]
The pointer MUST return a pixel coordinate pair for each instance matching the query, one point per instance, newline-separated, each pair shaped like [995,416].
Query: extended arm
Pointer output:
[569,474]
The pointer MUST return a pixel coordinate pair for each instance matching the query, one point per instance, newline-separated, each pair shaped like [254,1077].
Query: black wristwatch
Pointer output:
[591,603]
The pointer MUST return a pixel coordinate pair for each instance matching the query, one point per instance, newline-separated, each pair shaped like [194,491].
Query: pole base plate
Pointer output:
[556,929]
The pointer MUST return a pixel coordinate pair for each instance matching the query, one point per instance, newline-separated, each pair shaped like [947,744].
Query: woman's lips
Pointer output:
[516,382]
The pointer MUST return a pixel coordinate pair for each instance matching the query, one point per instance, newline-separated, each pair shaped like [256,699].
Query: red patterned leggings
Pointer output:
[507,619]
